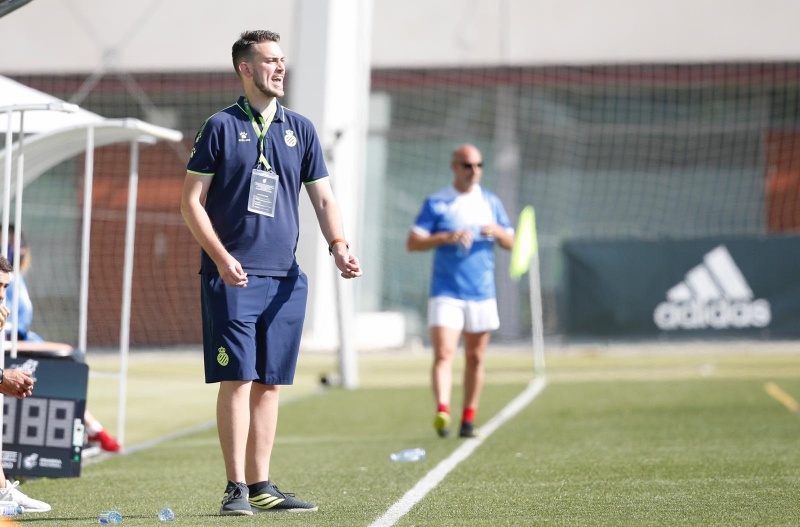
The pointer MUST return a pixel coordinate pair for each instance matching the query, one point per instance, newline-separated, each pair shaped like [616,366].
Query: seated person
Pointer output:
[19,384]
[27,340]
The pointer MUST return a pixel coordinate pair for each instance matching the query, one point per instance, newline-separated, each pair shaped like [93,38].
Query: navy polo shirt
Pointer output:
[226,148]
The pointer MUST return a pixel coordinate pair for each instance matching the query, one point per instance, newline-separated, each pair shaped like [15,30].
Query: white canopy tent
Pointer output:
[13,93]
[61,131]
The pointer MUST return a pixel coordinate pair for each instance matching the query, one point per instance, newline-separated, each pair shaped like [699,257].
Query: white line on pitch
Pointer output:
[435,476]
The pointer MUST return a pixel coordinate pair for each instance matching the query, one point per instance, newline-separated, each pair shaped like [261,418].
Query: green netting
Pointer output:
[616,152]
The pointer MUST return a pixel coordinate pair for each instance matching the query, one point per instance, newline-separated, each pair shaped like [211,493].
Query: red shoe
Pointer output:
[107,443]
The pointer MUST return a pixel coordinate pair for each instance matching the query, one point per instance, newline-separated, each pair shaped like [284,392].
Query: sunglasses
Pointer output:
[472,165]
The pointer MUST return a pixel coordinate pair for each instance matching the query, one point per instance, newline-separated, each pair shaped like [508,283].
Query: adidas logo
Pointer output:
[713,295]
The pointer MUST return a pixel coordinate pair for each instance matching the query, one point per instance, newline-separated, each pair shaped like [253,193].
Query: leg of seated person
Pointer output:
[10,492]
[97,434]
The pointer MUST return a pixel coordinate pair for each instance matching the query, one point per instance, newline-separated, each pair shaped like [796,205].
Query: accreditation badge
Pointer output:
[263,192]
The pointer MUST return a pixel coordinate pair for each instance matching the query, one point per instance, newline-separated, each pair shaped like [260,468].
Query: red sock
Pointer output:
[443,408]
[469,414]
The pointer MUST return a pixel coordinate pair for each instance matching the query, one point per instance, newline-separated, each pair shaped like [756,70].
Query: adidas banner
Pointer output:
[687,288]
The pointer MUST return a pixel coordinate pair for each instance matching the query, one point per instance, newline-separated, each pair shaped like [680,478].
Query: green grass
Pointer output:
[638,436]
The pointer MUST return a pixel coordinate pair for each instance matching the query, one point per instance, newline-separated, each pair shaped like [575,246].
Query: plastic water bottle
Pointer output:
[463,248]
[165,514]
[109,517]
[9,508]
[409,455]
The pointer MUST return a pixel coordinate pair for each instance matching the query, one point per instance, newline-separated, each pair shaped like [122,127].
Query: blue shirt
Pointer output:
[465,275]
[226,148]
[25,311]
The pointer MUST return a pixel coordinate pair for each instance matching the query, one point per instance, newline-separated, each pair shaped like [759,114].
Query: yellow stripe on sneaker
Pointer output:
[265,501]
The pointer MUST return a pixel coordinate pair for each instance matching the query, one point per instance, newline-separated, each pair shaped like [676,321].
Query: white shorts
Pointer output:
[472,316]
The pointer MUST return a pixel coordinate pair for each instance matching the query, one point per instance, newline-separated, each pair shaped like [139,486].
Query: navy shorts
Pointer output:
[253,333]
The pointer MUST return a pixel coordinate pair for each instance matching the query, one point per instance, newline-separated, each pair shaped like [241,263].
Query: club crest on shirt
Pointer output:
[243,137]
[289,138]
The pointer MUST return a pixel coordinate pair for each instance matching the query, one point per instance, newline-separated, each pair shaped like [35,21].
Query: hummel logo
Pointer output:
[714,295]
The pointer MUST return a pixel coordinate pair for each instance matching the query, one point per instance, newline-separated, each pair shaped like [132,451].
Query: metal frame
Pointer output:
[113,131]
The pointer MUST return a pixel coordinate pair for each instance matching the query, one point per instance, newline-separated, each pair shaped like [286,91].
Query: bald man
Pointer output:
[462,223]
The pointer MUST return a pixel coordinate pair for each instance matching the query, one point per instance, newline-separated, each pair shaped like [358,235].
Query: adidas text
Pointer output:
[719,314]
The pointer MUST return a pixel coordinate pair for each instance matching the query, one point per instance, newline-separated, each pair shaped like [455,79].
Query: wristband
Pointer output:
[334,242]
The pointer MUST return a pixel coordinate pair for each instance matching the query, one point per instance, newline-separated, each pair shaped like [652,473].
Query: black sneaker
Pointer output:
[467,429]
[267,498]
[235,503]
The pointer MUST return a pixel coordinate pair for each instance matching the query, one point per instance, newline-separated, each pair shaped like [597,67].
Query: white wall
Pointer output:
[60,36]
[66,36]
[533,32]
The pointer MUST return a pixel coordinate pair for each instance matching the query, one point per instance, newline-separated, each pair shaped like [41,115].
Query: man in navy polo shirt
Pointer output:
[240,201]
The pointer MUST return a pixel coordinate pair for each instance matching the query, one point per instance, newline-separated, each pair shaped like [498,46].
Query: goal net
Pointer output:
[615,152]
[622,152]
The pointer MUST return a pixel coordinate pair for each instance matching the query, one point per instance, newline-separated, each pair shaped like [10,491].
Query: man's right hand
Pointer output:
[232,273]
[4,312]
[16,383]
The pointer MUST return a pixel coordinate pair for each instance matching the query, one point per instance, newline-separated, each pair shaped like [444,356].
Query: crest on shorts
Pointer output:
[222,356]
[289,138]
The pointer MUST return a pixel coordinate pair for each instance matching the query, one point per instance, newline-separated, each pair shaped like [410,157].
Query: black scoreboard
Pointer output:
[43,434]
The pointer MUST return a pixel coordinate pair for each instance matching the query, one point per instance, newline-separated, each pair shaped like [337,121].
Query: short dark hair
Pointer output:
[243,48]
[5,265]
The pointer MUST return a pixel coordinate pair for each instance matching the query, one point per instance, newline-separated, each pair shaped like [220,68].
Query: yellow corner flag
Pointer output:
[525,243]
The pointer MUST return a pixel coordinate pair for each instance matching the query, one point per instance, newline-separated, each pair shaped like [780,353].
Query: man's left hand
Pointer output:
[348,265]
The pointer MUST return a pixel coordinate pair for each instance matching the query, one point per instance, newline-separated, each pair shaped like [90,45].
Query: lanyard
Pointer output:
[261,133]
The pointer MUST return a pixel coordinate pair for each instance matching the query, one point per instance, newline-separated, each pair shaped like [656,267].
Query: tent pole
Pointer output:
[88,179]
[6,218]
[7,185]
[18,237]
[127,281]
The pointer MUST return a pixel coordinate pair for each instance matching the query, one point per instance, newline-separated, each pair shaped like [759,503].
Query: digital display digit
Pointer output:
[32,421]
[60,418]
[9,420]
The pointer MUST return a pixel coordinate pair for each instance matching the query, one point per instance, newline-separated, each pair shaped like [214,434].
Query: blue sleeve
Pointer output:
[205,155]
[427,218]
[500,215]
[25,308]
[313,160]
